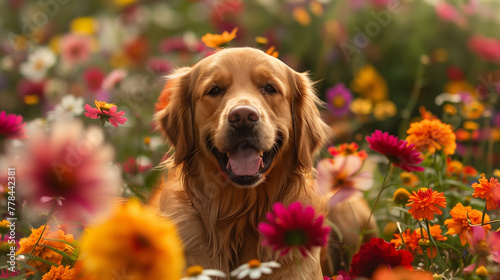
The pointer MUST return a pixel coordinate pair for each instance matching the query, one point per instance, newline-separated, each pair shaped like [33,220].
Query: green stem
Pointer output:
[415,93]
[426,257]
[41,234]
[385,182]
[484,214]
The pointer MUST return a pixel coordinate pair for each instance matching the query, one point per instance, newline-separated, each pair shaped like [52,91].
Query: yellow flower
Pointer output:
[59,273]
[261,40]
[384,109]
[55,43]
[409,179]
[431,135]
[123,3]
[316,8]
[450,109]
[369,84]
[401,196]
[216,40]
[470,125]
[455,87]
[101,105]
[26,246]
[473,110]
[482,271]
[83,25]
[301,15]
[136,240]
[440,55]
[496,173]
[360,106]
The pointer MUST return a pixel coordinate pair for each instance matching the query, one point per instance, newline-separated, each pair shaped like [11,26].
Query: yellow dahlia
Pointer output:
[26,247]
[431,135]
[134,241]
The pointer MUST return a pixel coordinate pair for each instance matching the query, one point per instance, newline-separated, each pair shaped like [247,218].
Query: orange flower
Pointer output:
[409,179]
[484,190]
[436,235]
[408,238]
[400,273]
[59,273]
[164,97]
[425,203]
[348,149]
[272,52]
[216,40]
[43,252]
[459,224]
[431,135]
[455,168]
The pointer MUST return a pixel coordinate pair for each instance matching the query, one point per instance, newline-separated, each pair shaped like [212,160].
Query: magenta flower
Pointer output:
[338,100]
[69,166]
[94,78]
[11,126]
[113,78]
[293,227]
[398,152]
[106,112]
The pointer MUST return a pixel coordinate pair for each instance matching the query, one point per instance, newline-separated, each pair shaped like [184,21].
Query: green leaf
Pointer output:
[59,252]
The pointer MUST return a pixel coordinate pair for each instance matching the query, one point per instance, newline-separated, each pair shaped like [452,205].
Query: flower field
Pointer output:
[411,90]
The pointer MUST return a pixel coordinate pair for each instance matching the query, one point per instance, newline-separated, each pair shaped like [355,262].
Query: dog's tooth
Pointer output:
[227,154]
[228,165]
[261,153]
[261,163]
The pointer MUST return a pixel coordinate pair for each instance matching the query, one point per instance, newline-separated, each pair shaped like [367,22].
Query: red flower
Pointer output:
[11,126]
[398,152]
[106,112]
[293,227]
[376,253]
[94,77]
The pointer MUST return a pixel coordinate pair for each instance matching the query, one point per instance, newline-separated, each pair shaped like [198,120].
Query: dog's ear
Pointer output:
[310,132]
[175,121]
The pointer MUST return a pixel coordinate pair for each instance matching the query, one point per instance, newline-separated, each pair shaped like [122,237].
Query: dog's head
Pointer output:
[243,113]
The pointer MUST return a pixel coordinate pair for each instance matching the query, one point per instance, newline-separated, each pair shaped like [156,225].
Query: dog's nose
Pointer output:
[244,116]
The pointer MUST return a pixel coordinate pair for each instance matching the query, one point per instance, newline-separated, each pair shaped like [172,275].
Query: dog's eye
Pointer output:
[270,89]
[215,91]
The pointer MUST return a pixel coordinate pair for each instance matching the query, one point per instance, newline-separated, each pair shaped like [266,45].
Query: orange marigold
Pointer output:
[431,135]
[59,273]
[485,190]
[26,246]
[407,239]
[216,40]
[436,235]
[425,203]
[458,224]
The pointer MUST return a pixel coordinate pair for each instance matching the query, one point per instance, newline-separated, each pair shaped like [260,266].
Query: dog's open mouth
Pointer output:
[245,164]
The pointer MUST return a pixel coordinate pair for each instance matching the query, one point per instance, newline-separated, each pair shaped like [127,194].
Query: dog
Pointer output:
[245,128]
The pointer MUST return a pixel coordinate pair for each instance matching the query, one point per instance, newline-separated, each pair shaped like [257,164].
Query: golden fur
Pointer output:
[216,219]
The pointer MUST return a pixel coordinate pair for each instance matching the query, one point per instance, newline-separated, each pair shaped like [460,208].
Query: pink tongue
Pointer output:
[245,161]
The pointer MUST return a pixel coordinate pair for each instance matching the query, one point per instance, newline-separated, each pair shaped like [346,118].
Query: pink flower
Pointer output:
[69,166]
[31,91]
[11,126]
[137,165]
[486,48]
[446,11]
[106,112]
[293,227]
[398,152]
[75,48]
[94,78]
[113,78]
[341,178]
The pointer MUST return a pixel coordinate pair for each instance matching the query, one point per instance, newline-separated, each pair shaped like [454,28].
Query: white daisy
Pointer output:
[198,273]
[68,107]
[39,61]
[254,269]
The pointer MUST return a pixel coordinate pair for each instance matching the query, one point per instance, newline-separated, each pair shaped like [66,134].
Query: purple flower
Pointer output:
[338,99]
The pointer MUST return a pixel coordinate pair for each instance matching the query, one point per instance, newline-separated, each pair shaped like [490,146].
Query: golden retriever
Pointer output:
[245,128]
